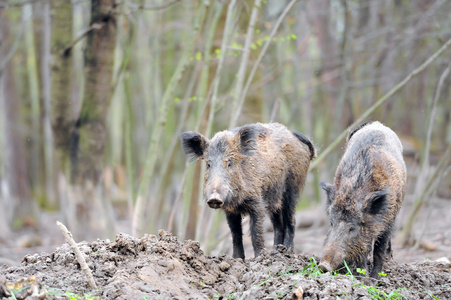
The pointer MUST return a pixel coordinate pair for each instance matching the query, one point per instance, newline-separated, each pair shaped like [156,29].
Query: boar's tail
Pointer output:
[306,141]
[357,128]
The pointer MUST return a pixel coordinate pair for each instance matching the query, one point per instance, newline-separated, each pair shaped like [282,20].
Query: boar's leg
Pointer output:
[379,253]
[279,232]
[234,221]
[257,216]
[288,214]
[389,250]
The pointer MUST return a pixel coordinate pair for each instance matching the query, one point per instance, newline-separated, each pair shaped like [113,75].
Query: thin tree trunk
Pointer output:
[161,123]
[59,108]
[62,117]
[239,100]
[32,74]
[17,202]
[42,28]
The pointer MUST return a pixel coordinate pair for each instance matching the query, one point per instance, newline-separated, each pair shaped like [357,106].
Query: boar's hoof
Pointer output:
[325,266]
[214,201]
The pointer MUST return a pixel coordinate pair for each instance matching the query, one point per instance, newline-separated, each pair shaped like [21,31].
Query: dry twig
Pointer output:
[81,260]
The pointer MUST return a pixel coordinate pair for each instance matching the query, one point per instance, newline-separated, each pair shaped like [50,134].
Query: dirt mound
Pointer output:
[164,268]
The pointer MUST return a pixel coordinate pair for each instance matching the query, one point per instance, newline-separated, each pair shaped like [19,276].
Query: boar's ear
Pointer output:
[330,191]
[377,203]
[247,136]
[194,145]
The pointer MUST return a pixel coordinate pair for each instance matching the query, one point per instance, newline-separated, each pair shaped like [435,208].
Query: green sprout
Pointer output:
[361,271]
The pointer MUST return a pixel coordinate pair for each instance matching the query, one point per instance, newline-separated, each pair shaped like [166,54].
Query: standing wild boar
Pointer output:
[250,169]
[363,202]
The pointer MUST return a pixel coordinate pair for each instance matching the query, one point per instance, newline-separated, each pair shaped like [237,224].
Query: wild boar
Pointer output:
[364,200]
[253,168]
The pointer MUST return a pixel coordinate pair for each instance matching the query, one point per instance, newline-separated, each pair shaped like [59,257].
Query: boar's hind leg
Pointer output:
[381,247]
[234,221]
[288,215]
[279,232]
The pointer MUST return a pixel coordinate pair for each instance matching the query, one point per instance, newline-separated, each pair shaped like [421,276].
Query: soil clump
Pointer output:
[161,267]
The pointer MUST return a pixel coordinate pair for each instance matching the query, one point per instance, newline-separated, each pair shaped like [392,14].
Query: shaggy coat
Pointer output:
[364,200]
[250,170]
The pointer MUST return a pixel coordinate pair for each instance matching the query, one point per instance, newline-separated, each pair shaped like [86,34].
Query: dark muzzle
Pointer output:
[214,201]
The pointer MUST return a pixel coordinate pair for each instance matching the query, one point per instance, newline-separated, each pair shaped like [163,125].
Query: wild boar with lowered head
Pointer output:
[252,169]
[364,200]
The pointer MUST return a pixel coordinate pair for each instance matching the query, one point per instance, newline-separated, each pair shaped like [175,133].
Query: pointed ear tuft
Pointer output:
[194,145]
[330,191]
[377,203]
[247,136]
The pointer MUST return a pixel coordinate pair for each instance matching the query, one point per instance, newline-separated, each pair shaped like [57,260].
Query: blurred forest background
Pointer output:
[94,95]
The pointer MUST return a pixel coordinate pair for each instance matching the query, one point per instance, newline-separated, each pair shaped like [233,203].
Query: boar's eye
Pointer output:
[229,164]
[208,165]
[351,229]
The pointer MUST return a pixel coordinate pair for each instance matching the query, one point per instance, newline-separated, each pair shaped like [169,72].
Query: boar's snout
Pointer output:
[325,266]
[214,201]
[332,258]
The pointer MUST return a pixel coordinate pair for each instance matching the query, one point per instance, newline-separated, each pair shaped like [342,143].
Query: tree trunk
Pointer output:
[16,203]
[89,135]
[62,117]
[61,114]
[81,139]
[42,29]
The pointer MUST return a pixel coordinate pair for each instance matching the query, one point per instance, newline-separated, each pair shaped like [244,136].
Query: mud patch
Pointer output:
[161,267]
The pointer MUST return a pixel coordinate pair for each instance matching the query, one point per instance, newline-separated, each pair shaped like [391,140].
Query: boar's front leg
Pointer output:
[256,221]
[379,253]
[234,221]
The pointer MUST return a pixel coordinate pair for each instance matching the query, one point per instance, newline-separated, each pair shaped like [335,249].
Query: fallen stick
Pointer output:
[81,260]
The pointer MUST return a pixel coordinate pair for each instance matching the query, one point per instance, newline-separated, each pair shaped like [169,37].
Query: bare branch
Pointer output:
[425,163]
[238,102]
[419,202]
[262,53]
[95,26]
[379,103]
[81,260]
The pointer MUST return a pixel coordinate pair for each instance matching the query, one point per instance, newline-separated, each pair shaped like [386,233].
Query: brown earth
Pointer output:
[161,267]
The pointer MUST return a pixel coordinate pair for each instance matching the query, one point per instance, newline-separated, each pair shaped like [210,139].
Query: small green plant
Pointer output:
[349,271]
[382,274]
[14,292]
[312,269]
[361,271]
[270,277]
[372,291]
[431,295]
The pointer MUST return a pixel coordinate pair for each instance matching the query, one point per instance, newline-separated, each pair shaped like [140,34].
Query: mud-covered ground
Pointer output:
[40,265]
[161,267]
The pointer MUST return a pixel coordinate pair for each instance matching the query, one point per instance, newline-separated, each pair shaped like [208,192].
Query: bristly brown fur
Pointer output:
[256,168]
[366,197]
